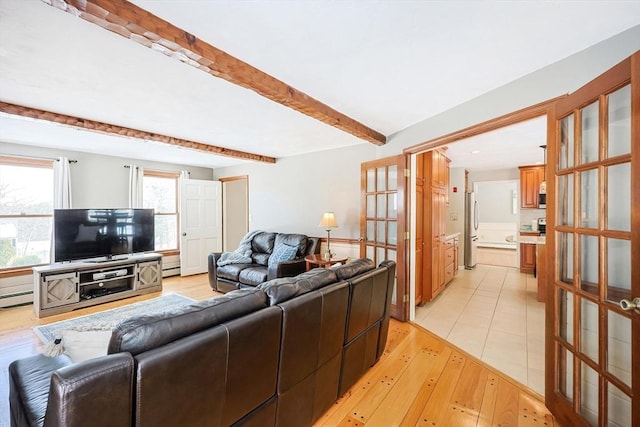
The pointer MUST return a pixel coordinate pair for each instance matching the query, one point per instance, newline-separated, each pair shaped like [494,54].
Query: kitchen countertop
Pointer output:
[531,240]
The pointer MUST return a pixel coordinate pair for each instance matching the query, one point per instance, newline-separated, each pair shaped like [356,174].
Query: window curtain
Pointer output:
[62,184]
[136,175]
[61,193]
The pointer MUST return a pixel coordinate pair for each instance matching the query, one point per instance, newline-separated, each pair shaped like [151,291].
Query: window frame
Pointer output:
[29,162]
[176,177]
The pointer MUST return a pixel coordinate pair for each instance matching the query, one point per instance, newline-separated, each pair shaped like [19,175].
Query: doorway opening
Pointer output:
[489,310]
[235,211]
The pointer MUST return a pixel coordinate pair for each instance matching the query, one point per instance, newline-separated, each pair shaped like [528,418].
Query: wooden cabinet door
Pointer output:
[149,274]
[530,178]
[59,289]
[527,258]
[437,268]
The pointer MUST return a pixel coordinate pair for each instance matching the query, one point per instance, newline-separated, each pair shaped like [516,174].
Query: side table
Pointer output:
[318,260]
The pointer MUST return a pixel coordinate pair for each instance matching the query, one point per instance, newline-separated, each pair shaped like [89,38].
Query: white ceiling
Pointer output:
[385,63]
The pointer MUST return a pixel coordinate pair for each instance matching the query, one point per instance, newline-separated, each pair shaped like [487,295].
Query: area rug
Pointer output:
[106,320]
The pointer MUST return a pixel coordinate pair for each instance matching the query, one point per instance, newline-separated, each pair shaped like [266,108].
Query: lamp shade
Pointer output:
[328,220]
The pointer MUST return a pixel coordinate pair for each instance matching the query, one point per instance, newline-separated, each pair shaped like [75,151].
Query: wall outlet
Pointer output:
[453,216]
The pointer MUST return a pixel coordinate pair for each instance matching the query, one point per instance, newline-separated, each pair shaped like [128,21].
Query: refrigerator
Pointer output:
[471,222]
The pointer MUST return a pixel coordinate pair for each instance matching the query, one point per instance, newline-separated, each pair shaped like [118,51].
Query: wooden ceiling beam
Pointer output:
[135,23]
[109,129]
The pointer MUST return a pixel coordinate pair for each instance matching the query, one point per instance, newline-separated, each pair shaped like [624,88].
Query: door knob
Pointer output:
[184,234]
[634,304]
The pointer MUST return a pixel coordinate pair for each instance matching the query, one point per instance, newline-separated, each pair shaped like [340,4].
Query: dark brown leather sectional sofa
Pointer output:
[237,276]
[276,355]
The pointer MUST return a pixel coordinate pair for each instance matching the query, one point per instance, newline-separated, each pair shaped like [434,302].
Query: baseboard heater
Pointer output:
[16,298]
[171,271]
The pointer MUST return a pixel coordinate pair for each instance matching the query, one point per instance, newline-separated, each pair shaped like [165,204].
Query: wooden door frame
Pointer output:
[528,113]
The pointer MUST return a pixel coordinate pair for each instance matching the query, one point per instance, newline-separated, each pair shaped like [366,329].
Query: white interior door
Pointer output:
[200,224]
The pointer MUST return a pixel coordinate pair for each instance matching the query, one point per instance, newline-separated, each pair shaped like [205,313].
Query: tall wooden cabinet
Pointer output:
[530,179]
[433,188]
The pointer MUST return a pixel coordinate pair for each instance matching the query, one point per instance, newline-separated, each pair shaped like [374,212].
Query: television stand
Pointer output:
[63,287]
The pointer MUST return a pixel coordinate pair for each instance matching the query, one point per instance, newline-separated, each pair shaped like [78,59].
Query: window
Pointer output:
[26,211]
[160,192]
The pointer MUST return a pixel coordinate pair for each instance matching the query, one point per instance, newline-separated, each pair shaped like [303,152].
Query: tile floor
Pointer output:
[492,313]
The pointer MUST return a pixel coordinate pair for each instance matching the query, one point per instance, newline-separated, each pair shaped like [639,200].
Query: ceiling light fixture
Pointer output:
[475,151]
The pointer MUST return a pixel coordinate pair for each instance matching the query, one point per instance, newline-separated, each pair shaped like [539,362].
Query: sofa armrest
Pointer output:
[286,269]
[100,390]
[213,275]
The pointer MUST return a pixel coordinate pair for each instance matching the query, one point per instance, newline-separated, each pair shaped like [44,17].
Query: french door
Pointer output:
[592,345]
[382,222]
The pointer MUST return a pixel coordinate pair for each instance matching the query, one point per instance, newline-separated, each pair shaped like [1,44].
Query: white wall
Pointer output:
[291,195]
[99,181]
[455,210]
[557,79]
[495,201]
[493,175]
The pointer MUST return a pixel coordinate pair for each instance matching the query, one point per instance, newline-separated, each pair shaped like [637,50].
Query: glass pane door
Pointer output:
[382,226]
[595,237]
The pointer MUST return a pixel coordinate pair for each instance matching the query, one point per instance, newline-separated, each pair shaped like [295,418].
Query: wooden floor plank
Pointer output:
[485,418]
[375,381]
[420,401]
[437,409]
[533,413]
[466,400]
[417,381]
[390,411]
[506,409]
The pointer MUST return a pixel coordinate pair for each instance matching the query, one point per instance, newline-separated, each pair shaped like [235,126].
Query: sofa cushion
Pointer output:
[144,332]
[253,275]
[354,268]
[260,258]
[282,253]
[263,243]
[29,386]
[283,289]
[296,240]
[231,271]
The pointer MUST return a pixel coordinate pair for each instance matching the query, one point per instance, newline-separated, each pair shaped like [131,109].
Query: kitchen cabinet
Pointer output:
[528,254]
[530,179]
[450,258]
[431,270]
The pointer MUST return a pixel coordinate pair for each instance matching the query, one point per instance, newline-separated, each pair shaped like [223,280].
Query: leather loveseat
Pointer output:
[262,268]
[279,354]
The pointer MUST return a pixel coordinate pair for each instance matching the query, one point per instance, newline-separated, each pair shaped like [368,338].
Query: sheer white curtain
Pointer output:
[61,184]
[61,193]
[136,175]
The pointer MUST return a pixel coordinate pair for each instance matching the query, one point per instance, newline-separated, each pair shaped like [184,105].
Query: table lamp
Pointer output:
[328,221]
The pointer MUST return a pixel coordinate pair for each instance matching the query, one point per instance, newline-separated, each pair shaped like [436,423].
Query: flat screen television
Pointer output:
[95,233]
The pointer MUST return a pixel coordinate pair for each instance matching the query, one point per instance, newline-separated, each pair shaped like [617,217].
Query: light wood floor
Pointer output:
[420,379]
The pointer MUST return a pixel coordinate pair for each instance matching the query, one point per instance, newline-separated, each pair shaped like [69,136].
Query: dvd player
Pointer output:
[110,274]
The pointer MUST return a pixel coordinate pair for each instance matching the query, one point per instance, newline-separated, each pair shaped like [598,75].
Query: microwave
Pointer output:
[542,200]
